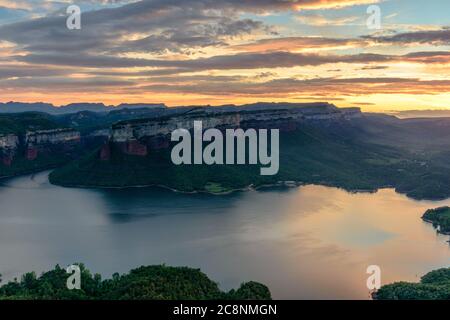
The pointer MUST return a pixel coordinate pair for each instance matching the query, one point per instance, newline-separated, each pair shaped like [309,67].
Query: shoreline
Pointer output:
[438,230]
[251,187]
[28,172]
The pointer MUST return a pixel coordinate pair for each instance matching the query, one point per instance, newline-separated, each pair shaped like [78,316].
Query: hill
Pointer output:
[440,218]
[144,283]
[433,286]
[19,123]
[336,155]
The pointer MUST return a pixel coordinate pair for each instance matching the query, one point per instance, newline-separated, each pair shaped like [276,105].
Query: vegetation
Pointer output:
[440,218]
[143,283]
[366,154]
[308,155]
[433,286]
[21,122]
[42,162]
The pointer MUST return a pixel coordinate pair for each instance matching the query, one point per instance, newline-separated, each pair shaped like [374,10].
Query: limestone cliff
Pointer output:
[137,137]
[45,140]
[8,147]
[30,144]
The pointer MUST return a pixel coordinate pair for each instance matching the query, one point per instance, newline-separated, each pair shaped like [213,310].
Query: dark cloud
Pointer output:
[320,86]
[431,37]
[64,84]
[46,55]
[374,67]
[166,25]
[12,71]
[230,62]
[429,57]
[169,25]
[224,62]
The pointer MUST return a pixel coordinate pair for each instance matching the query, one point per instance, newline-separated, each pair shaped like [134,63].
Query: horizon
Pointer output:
[407,113]
[184,53]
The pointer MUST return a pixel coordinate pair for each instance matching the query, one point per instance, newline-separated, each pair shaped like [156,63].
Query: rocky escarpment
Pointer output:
[47,140]
[8,147]
[137,137]
[32,143]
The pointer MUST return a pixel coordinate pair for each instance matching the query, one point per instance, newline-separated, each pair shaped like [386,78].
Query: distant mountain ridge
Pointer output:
[17,107]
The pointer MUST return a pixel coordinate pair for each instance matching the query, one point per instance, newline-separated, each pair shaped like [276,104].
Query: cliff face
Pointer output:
[35,142]
[55,136]
[139,129]
[50,140]
[137,137]
[9,141]
[8,147]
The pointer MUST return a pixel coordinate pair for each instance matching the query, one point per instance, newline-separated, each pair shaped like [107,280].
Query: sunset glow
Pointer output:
[182,52]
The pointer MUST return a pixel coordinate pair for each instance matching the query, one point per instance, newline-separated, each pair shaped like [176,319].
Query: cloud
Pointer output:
[321,20]
[374,67]
[296,43]
[210,47]
[16,71]
[166,25]
[8,15]
[240,61]
[169,25]
[16,4]
[317,86]
[64,84]
[439,37]
[429,57]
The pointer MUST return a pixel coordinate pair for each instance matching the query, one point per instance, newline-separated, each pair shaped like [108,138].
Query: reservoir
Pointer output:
[310,242]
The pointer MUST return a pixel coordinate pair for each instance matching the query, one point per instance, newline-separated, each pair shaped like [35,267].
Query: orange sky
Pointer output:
[241,52]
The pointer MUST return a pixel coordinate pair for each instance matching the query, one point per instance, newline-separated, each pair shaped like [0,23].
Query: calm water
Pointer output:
[309,242]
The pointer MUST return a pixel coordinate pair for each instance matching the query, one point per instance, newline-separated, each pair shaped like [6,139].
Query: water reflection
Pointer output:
[309,242]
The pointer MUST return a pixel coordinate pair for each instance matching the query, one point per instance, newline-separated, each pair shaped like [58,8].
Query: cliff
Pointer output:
[8,146]
[55,136]
[50,141]
[136,137]
[9,141]
[28,146]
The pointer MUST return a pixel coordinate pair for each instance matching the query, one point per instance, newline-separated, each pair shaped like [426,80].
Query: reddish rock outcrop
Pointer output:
[137,149]
[158,142]
[31,153]
[105,152]
[7,159]
[132,147]
[138,136]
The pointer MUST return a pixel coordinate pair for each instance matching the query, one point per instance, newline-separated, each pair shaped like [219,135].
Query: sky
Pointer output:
[214,52]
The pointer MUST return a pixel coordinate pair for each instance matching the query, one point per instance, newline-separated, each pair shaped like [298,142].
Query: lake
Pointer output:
[311,242]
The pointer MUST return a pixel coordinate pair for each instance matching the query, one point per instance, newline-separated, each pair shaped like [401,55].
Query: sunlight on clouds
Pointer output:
[184,52]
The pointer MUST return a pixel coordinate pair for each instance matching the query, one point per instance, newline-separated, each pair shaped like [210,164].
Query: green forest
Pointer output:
[440,218]
[144,283]
[435,285]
